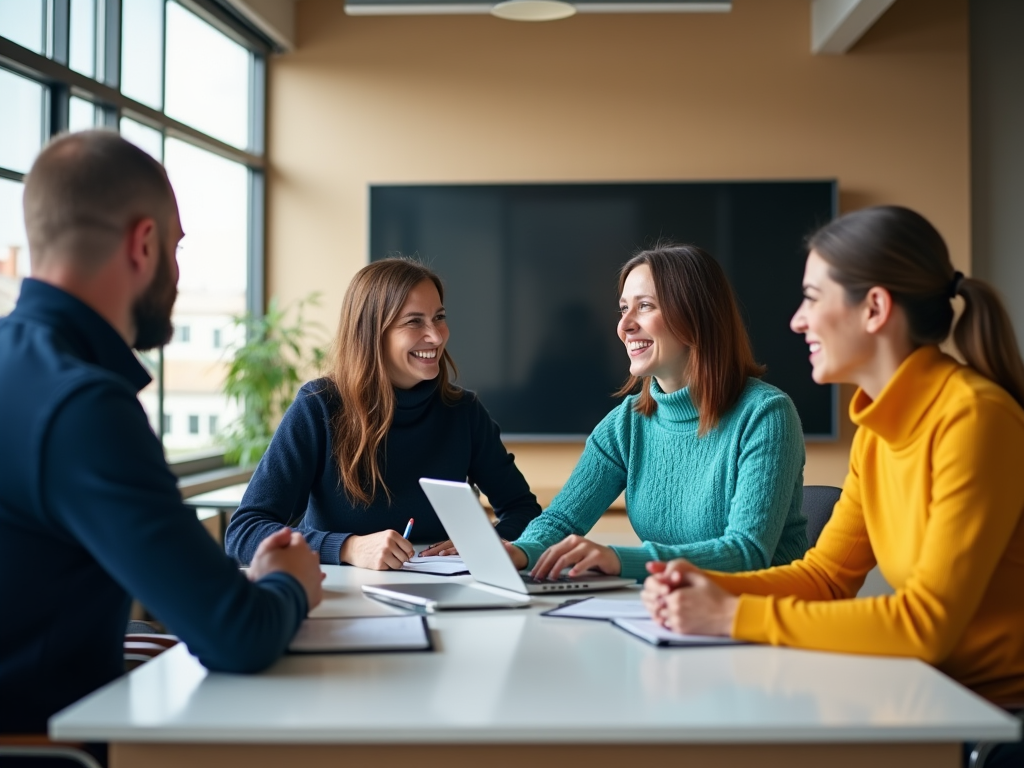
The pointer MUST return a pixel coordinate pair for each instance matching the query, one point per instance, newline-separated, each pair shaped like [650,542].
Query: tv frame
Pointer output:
[574,438]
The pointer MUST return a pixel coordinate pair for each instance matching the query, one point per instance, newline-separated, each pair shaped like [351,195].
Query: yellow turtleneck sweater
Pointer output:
[935,496]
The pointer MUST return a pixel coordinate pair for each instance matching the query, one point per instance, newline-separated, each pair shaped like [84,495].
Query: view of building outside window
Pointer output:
[171,60]
[13,245]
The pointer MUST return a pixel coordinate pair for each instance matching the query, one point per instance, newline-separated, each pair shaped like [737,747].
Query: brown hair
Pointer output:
[899,250]
[356,367]
[700,310]
[84,191]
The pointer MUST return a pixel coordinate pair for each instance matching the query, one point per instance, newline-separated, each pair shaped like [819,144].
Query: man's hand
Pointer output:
[442,549]
[382,551]
[287,551]
[681,598]
[580,555]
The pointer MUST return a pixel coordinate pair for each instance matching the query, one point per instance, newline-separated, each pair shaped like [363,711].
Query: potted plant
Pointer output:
[263,375]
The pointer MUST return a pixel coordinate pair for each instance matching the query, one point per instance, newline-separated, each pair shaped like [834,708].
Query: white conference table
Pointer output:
[514,688]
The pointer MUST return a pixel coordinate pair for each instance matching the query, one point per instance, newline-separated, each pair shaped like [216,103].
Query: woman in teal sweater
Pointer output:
[710,457]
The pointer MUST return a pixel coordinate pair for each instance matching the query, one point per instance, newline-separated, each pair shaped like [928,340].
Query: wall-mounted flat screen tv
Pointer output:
[530,273]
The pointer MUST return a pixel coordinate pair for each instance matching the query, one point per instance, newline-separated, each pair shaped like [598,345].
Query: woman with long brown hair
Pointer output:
[710,457]
[935,492]
[344,464]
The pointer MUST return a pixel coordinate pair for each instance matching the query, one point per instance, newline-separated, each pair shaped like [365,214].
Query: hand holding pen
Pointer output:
[383,551]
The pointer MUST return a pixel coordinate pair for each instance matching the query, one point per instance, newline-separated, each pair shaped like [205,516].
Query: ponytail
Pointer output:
[899,250]
[985,337]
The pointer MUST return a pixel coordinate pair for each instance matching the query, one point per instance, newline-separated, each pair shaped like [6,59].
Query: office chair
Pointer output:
[817,508]
[142,642]
[33,749]
[1002,754]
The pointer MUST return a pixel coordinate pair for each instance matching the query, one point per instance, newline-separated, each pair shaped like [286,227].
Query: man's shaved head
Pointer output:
[84,192]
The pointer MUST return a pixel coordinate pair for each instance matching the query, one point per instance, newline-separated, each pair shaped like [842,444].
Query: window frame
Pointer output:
[103,91]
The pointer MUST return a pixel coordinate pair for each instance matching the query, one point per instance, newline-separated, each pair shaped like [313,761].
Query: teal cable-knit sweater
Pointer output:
[727,501]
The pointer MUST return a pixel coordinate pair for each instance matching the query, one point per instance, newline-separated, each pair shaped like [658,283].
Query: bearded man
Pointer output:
[90,514]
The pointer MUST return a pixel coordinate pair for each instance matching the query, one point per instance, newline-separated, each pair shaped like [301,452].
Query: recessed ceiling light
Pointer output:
[533,10]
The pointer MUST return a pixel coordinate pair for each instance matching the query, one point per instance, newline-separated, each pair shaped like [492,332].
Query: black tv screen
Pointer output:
[530,274]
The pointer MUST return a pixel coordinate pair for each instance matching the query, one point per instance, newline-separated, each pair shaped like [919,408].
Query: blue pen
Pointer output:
[408,529]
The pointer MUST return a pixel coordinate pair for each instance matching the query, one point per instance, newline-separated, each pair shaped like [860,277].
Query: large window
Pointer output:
[183,80]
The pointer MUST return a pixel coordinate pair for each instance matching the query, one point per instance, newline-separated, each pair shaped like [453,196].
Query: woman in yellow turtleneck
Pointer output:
[935,491]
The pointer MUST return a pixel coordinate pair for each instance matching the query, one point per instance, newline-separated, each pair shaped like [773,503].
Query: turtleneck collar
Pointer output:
[91,337]
[906,398]
[674,408]
[411,404]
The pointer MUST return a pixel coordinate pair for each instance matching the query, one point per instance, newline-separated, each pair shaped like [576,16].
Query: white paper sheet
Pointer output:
[374,633]
[601,608]
[655,634]
[448,565]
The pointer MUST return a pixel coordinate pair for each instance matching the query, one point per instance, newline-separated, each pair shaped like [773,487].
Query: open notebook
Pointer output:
[449,565]
[655,634]
[599,608]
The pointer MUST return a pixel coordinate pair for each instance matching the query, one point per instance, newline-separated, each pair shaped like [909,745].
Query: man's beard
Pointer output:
[152,310]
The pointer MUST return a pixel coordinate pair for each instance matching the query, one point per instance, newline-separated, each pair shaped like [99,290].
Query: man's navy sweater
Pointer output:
[298,483]
[90,516]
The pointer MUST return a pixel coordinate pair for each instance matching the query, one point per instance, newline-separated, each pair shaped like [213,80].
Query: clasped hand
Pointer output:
[682,599]
[288,551]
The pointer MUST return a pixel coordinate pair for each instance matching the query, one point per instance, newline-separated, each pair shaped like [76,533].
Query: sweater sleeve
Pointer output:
[835,568]
[977,494]
[494,470]
[278,492]
[596,481]
[117,498]
[770,469]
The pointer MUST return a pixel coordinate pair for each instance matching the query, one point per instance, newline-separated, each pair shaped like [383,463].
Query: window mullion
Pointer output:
[6,173]
[60,28]
[257,103]
[60,95]
[110,72]
[255,299]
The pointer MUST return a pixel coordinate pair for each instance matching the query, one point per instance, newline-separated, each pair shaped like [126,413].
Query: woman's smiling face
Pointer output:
[415,341]
[832,327]
[652,348]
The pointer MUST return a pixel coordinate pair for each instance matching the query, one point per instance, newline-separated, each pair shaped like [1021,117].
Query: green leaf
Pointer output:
[263,374]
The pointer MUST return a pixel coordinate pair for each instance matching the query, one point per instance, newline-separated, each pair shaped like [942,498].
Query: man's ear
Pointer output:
[144,248]
[878,306]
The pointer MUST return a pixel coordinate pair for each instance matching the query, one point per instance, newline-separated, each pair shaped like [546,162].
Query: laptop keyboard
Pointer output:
[559,580]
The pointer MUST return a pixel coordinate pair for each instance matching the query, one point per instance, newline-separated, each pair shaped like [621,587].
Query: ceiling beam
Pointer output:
[836,25]
[274,18]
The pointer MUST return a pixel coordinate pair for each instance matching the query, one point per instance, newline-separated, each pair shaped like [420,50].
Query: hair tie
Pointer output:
[954,287]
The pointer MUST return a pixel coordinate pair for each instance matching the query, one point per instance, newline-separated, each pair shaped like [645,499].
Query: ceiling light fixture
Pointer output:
[533,10]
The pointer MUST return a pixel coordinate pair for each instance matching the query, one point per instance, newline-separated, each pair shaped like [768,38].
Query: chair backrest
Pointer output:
[817,508]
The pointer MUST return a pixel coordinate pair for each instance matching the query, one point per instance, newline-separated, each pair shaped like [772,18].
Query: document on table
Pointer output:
[600,608]
[655,634]
[448,565]
[353,635]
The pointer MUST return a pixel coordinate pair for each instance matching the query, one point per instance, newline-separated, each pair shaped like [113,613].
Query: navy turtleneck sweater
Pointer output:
[297,482]
[90,516]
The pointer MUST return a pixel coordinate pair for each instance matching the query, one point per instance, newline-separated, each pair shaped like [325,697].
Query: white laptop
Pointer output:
[502,586]
[466,523]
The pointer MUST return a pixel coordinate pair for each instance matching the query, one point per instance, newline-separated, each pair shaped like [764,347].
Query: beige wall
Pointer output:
[645,97]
